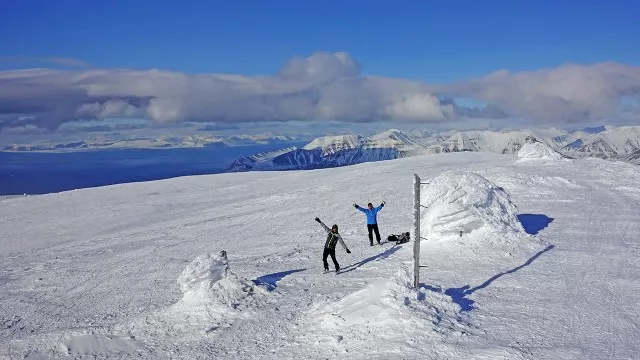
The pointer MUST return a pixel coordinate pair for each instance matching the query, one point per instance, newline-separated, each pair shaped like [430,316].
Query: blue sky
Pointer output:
[433,41]
[569,63]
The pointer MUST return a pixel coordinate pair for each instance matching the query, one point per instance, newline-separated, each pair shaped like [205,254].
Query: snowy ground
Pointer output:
[123,270]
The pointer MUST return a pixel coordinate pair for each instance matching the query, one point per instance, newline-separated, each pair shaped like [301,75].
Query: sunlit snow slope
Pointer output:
[523,260]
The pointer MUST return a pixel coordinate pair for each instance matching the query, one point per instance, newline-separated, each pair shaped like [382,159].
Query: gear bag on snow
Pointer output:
[399,239]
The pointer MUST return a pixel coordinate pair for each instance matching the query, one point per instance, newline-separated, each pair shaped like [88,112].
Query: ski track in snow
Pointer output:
[92,272]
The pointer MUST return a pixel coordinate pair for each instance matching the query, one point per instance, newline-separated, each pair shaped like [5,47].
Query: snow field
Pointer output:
[92,273]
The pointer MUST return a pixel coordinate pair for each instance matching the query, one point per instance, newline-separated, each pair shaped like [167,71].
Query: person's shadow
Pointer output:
[383,255]
[460,295]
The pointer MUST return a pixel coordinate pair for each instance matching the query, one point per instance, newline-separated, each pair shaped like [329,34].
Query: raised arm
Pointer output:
[380,207]
[325,227]
[358,207]
[343,245]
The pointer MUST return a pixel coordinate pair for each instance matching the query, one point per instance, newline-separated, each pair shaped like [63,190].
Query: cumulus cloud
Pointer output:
[417,106]
[566,94]
[321,67]
[324,86]
[109,109]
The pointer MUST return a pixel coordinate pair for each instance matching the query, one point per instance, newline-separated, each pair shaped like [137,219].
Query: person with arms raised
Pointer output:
[333,238]
[372,220]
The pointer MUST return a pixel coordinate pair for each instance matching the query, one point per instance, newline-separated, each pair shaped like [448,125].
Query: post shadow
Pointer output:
[460,295]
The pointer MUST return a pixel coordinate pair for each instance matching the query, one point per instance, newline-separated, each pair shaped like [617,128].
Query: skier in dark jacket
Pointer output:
[372,220]
[333,238]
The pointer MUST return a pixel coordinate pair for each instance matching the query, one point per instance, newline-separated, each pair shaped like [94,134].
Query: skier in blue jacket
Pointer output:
[372,220]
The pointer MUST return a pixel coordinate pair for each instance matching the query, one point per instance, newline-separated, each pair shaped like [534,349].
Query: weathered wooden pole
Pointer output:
[416,231]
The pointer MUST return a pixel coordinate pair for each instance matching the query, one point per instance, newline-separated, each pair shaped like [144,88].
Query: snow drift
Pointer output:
[466,208]
[207,280]
[384,309]
[538,151]
[380,303]
[212,298]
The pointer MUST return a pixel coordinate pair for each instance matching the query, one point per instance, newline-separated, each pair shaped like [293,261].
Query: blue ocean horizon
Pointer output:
[49,172]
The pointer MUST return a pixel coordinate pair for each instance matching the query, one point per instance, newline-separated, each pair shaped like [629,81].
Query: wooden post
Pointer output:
[416,231]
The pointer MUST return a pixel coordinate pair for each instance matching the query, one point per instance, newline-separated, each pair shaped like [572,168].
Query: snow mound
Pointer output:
[466,207]
[538,151]
[213,297]
[208,280]
[385,308]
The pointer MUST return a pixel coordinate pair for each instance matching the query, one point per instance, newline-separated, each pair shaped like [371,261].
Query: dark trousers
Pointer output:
[332,253]
[372,228]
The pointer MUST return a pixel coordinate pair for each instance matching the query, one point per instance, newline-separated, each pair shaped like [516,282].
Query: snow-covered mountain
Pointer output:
[553,137]
[333,151]
[105,142]
[634,157]
[507,142]
[144,142]
[617,143]
[589,131]
[334,144]
[607,142]
[262,139]
[249,162]
[341,150]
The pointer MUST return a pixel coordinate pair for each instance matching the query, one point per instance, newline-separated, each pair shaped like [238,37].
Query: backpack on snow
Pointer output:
[399,239]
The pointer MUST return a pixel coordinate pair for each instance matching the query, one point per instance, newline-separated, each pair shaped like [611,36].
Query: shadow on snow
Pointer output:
[383,255]
[534,223]
[270,281]
[460,295]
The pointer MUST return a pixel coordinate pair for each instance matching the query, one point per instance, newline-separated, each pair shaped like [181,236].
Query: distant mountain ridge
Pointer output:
[622,143]
[332,151]
[161,142]
[508,142]
[617,142]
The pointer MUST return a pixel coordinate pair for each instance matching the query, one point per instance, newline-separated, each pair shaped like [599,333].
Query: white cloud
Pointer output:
[566,94]
[322,87]
[108,109]
[420,106]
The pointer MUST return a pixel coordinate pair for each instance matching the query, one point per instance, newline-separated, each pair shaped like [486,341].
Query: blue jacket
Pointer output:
[371,214]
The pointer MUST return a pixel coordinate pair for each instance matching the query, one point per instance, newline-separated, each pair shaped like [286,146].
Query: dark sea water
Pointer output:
[41,173]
